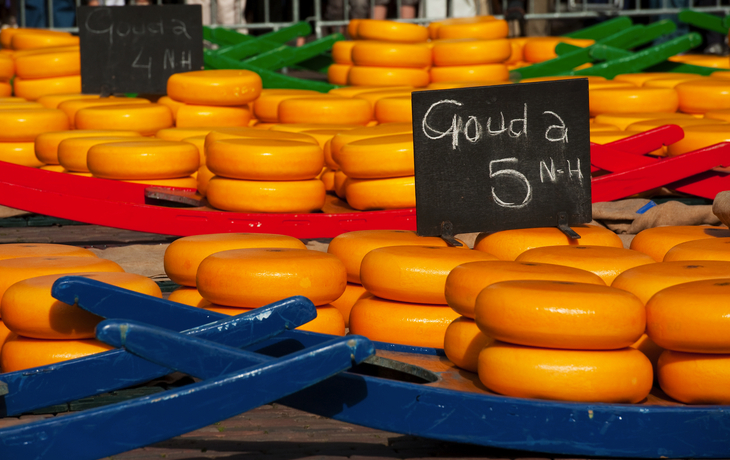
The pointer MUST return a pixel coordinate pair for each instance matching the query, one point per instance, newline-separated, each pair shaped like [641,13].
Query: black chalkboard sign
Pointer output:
[502,157]
[135,49]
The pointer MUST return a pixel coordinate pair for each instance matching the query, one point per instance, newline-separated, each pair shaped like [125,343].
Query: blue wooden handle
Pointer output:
[108,430]
[58,383]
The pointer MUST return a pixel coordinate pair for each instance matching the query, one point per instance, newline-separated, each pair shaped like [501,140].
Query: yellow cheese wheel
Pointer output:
[721,74]
[7,68]
[189,116]
[466,281]
[508,244]
[52,101]
[214,87]
[647,280]
[189,182]
[650,349]
[184,255]
[20,250]
[390,193]
[560,314]
[266,107]
[301,127]
[463,342]
[670,82]
[53,49]
[29,310]
[638,79]
[253,133]
[632,100]
[602,127]
[624,120]
[341,181]
[179,134]
[484,72]
[417,325]
[323,135]
[49,65]
[414,274]
[24,125]
[539,49]
[646,125]
[703,249]
[374,96]
[5,89]
[144,159]
[389,54]
[72,106]
[339,74]
[391,31]
[388,76]
[264,159]
[483,30]
[171,104]
[203,178]
[42,39]
[703,95]
[20,353]
[259,276]
[342,51]
[656,241]
[717,115]
[6,34]
[329,320]
[4,334]
[19,153]
[352,91]
[189,296]
[72,152]
[468,52]
[38,87]
[146,119]
[378,157]
[606,137]
[697,137]
[353,293]
[325,110]
[695,378]
[366,133]
[352,247]
[47,144]
[706,60]
[434,26]
[199,143]
[606,262]
[20,105]
[21,268]
[608,376]
[328,179]
[6,100]
[53,168]
[690,317]
[609,84]
[266,196]
[394,110]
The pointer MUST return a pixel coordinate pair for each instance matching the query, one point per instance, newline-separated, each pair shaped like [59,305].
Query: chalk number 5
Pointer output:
[516,175]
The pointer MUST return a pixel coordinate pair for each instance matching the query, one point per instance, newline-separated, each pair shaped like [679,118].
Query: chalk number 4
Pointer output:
[516,175]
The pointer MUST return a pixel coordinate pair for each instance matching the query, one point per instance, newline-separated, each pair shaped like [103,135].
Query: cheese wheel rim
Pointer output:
[24,125]
[144,159]
[215,87]
[266,196]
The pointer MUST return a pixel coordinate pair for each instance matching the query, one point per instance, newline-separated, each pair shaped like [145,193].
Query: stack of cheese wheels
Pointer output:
[563,340]
[47,71]
[408,306]
[464,341]
[22,122]
[689,321]
[474,50]
[46,330]
[214,98]
[657,241]
[639,99]
[48,145]
[13,251]
[148,161]
[74,105]
[192,135]
[386,53]
[508,244]
[183,257]
[380,172]
[332,150]
[250,278]
[265,175]
[266,106]
[352,247]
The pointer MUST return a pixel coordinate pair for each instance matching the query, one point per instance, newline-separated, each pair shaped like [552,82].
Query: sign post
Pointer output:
[135,49]
[502,157]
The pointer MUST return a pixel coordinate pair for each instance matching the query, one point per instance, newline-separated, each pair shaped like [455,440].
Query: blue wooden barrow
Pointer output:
[438,401]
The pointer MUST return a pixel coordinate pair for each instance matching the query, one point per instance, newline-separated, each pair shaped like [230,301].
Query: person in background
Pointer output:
[64,14]
[407,9]
[225,11]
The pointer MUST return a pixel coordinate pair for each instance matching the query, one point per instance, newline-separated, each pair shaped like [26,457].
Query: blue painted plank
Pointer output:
[57,383]
[125,426]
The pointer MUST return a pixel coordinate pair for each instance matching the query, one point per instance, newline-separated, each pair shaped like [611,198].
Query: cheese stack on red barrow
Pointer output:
[212,98]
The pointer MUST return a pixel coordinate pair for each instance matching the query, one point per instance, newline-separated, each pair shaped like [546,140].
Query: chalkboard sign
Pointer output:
[502,157]
[135,49]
